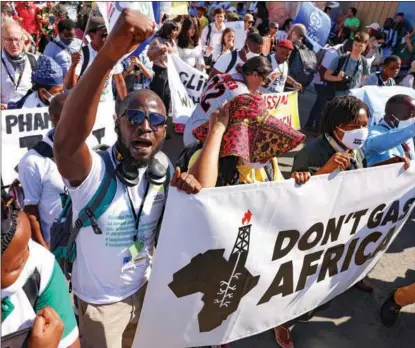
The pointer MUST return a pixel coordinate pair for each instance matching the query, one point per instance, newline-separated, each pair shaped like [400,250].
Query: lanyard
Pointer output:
[11,77]
[137,215]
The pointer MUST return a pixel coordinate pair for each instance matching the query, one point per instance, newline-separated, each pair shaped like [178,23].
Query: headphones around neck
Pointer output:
[128,172]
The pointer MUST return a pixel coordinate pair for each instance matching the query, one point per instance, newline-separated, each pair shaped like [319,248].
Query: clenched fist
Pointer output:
[131,28]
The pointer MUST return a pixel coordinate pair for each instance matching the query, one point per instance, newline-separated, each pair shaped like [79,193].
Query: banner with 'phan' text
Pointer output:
[21,129]
[250,257]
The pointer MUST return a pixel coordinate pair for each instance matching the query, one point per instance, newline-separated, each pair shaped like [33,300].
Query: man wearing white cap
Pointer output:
[372,29]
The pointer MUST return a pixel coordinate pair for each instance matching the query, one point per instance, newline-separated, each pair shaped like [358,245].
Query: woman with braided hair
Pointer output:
[33,288]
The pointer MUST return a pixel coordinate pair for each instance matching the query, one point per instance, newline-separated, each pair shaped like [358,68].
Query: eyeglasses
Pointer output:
[10,40]
[104,35]
[137,117]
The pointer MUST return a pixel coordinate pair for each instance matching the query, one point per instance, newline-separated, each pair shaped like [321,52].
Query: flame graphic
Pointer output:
[247,217]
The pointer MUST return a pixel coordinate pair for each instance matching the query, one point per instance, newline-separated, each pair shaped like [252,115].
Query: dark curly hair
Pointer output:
[9,211]
[341,111]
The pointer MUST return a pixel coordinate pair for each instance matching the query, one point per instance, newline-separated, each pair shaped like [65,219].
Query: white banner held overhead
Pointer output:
[181,104]
[192,79]
[21,129]
[251,257]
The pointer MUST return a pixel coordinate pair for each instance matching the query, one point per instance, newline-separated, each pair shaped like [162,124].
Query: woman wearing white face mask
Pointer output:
[228,62]
[47,81]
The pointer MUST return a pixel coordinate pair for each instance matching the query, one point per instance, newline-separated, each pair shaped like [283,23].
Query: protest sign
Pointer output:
[285,107]
[181,104]
[192,79]
[317,22]
[376,97]
[248,258]
[23,128]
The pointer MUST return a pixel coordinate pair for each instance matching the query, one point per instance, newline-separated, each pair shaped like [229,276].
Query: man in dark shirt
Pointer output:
[344,132]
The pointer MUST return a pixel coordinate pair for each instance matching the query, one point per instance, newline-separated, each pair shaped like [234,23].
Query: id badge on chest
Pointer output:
[136,256]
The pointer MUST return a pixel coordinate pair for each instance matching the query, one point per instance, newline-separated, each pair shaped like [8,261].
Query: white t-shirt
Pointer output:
[105,271]
[276,80]
[215,37]
[220,89]
[107,94]
[224,60]
[281,35]
[9,92]
[53,292]
[192,56]
[43,184]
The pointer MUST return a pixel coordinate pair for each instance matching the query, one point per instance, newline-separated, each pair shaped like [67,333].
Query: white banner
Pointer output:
[376,97]
[236,261]
[182,105]
[192,79]
[21,129]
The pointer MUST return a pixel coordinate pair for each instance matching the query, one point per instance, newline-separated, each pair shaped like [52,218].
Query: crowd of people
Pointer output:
[116,196]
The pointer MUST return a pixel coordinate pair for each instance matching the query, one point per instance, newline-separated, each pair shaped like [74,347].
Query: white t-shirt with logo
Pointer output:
[105,269]
[107,94]
[276,79]
[224,60]
[43,184]
[220,88]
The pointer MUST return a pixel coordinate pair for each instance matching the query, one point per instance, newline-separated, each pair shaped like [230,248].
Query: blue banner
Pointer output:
[318,24]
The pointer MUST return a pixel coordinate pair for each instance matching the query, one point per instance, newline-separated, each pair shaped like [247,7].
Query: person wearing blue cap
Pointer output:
[47,79]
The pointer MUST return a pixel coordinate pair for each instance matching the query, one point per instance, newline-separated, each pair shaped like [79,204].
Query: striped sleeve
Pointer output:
[56,295]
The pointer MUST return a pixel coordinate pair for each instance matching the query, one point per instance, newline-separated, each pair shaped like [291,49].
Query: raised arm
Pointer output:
[205,169]
[386,141]
[79,112]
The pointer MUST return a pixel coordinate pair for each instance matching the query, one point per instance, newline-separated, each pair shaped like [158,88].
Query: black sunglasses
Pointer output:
[137,117]
[103,35]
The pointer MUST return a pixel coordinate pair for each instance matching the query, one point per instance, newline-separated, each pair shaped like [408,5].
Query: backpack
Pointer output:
[64,232]
[85,53]
[209,33]
[303,64]
[233,61]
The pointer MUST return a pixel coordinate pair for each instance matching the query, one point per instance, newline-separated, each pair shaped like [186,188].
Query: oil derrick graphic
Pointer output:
[222,282]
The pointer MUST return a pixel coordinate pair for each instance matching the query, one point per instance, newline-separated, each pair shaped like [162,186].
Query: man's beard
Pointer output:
[129,162]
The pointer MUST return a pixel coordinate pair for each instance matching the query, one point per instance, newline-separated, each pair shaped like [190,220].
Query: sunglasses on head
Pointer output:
[137,117]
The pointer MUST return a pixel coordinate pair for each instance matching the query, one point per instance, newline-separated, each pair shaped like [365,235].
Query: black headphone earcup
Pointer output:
[156,173]
[127,177]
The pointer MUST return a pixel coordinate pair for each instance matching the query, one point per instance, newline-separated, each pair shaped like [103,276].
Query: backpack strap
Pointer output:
[32,61]
[85,53]
[233,61]
[209,33]
[31,288]
[57,43]
[342,60]
[88,212]
[44,149]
